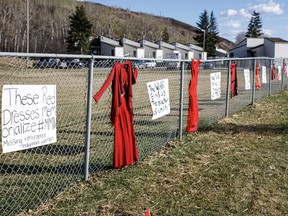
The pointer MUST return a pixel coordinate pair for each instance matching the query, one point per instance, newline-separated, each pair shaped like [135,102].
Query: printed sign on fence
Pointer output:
[264,75]
[285,69]
[28,116]
[247,79]
[159,97]
[215,81]
[279,73]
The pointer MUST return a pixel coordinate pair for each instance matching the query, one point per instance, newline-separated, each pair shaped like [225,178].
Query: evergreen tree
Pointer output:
[203,26]
[212,36]
[255,26]
[79,32]
[165,35]
[208,28]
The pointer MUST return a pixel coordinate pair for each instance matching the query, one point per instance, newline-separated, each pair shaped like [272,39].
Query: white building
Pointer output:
[260,47]
[169,50]
[106,47]
[132,48]
[151,50]
[185,51]
[197,51]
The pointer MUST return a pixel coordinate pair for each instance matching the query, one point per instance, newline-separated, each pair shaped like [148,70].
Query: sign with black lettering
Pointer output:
[247,79]
[264,75]
[279,73]
[215,81]
[159,97]
[28,116]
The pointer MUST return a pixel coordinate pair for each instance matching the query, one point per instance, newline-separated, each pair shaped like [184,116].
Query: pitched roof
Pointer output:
[275,40]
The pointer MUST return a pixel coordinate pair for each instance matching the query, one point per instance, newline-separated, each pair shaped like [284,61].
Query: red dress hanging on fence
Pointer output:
[122,78]
[273,72]
[258,83]
[234,85]
[192,121]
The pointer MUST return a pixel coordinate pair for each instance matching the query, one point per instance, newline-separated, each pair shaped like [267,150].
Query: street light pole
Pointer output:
[28,19]
[204,38]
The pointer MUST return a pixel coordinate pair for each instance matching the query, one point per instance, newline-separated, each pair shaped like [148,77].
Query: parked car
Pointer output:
[149,64]
[172,65]
[74,63]
[208,65]
[104,63]
[138,64]
[47,63]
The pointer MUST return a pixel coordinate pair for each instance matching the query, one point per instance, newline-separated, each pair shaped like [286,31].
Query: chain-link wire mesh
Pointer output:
[33,176]
[244,93]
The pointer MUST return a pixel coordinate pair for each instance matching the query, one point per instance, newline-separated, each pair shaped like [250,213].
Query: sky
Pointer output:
[232,16]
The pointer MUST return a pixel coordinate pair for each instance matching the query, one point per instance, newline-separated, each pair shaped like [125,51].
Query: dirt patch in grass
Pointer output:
[238,166]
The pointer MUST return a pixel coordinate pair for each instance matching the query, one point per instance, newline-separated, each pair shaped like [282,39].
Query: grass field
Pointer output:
[31,177]
[238,166]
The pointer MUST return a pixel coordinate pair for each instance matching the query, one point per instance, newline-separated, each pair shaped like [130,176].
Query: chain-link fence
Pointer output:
[85,137]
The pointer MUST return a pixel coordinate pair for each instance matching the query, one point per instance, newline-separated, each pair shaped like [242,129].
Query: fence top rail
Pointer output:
[55,55]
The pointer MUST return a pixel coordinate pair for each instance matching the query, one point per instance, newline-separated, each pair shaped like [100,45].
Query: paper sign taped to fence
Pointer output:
[215,81]
[247,79]
[279,73]
[285,69]
[28,116]
[159,97]
[264,75]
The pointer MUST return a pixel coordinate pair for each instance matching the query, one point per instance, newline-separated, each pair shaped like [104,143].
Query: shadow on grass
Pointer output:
[62,150]
[75,169]
[265,129]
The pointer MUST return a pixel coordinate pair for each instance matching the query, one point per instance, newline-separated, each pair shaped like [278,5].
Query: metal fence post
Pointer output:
[181,100]
[228,89]
[88,120]
[270,78]
[282,75]
[253,82]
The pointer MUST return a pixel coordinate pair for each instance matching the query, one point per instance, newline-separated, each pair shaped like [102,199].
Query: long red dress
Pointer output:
[122,78]
[192,121]
[258,83]
[234,85]
[273,72]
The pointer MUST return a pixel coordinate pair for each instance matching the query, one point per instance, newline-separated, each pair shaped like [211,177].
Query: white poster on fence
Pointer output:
[159,97]
[28,116]
[264,75]
[279,73]
[247,79]
[215,81]
[285,69]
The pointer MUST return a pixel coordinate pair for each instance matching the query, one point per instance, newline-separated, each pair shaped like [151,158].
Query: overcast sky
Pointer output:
[232,16]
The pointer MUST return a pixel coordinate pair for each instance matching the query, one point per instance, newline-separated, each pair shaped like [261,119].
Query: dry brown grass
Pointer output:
[236,167]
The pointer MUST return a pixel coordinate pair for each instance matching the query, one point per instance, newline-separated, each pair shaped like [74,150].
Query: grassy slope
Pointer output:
[237,167]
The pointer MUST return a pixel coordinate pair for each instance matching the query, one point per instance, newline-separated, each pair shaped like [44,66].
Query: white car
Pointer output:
[149,64]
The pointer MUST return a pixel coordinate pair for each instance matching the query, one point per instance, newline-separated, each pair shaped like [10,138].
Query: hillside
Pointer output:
[48,32]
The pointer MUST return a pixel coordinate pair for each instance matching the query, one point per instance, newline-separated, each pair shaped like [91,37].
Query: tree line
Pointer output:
[51,27]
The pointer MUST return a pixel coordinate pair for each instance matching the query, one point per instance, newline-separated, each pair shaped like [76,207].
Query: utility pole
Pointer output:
[28,19]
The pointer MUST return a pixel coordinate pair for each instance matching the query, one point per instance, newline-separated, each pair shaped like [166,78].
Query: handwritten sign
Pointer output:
[159,97]
[28,116]
[264,75]
[279,73]
[285,69]
[215,81]
[247,79]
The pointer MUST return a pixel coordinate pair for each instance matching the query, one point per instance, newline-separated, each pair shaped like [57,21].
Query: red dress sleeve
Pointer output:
[108,81]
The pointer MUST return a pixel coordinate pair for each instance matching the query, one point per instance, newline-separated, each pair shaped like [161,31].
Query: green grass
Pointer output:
[238,166]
